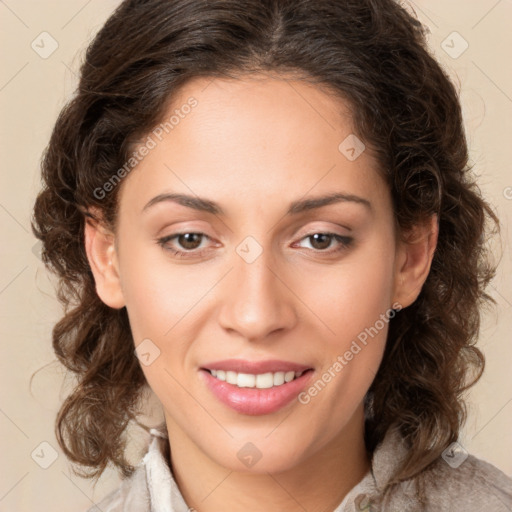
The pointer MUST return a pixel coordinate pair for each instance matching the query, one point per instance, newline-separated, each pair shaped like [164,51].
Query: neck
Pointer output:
[317,483]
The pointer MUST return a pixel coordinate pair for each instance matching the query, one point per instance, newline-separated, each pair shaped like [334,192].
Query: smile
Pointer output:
[260,381]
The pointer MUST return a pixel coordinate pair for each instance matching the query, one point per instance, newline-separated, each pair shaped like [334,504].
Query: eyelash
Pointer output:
[344,241]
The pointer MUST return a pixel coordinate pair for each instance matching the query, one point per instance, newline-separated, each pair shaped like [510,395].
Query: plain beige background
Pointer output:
[33,89]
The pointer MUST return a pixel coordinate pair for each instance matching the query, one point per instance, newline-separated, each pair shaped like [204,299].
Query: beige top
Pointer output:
[457,483]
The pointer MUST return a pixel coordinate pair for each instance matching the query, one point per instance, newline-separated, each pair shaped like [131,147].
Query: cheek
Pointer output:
[353,304]
[160,299]
[351,296]
[158,293]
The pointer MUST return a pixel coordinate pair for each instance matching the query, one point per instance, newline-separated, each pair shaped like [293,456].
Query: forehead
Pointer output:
[270,115]
[253,138]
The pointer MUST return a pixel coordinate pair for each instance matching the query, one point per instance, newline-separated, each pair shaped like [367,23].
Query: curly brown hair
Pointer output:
[373,55]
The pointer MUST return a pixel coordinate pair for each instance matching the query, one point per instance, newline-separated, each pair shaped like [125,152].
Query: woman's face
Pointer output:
[256,286]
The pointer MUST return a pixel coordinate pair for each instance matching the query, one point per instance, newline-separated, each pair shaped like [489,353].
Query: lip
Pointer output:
[254,401]
[255,367]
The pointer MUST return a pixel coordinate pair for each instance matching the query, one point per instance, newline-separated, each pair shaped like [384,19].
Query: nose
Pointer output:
[257,301]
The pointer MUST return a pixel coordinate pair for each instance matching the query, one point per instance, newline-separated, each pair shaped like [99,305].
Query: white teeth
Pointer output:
[289,376]
[278,378]
[264,380]
[231,377]
[260,381]
[246,380]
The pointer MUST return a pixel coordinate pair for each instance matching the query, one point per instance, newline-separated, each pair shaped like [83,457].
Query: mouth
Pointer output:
[255,387]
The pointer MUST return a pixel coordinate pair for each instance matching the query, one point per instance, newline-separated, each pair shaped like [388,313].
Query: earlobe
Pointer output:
[102,257]
[414,260]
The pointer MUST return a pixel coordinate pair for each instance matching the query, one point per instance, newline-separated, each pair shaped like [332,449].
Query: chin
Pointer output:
[258,457]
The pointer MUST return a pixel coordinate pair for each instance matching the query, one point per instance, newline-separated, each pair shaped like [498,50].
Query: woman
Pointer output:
[263,212]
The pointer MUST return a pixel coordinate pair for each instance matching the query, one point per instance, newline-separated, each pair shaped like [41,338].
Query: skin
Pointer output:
[254,145]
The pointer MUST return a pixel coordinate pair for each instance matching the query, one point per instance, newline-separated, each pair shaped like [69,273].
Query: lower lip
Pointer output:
[256,401]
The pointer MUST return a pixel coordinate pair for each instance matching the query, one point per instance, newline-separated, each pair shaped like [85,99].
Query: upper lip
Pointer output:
[256,367]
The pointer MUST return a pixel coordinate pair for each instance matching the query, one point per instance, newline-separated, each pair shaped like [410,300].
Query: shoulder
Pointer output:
[474,485]
[456,481]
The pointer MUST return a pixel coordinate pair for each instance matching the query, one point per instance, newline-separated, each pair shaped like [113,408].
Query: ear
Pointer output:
[414,258]
[102,255]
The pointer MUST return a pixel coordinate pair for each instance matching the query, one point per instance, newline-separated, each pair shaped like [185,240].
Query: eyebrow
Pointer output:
[296,207]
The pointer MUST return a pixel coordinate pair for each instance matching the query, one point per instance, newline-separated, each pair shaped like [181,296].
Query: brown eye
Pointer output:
[189,241]
[183,245]
[321,240]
